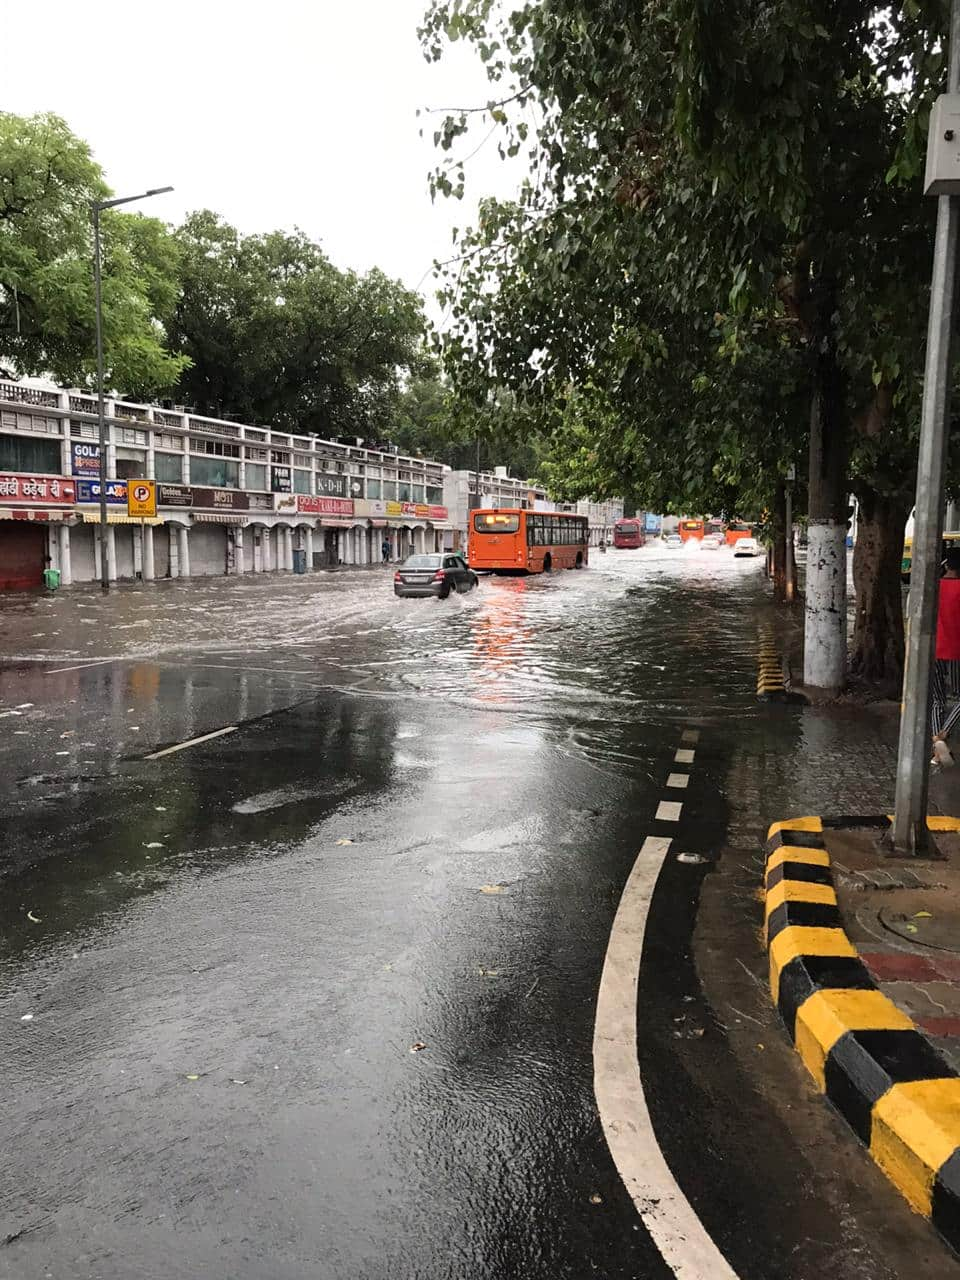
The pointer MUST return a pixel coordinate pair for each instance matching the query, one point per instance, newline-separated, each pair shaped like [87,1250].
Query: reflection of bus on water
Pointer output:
[690,529]
[511,540]
[628,532]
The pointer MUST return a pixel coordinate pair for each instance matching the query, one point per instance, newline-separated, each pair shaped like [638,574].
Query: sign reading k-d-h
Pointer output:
[142,499]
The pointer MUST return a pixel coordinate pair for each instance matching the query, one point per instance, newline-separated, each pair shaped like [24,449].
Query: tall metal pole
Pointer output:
[478,467]
[913,762]
[789,564]
[101,420]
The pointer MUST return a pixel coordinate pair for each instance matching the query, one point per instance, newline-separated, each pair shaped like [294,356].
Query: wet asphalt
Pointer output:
[316,998]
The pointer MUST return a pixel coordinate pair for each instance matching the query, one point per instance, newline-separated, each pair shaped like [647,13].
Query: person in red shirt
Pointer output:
[946,668]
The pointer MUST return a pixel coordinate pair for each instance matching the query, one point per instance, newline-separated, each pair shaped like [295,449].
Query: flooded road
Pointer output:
[316,997]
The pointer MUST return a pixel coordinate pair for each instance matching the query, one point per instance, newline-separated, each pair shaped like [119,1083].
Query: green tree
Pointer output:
[275,333]
[47,180]
[757,162]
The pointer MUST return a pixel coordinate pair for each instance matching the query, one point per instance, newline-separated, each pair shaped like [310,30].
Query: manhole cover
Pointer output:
[929,923]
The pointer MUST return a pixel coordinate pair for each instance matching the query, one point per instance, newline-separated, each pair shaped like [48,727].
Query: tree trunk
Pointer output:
[825,613]
[778,525]
[878,627]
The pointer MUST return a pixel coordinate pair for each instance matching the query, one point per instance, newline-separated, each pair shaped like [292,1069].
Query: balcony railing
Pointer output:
[28,395]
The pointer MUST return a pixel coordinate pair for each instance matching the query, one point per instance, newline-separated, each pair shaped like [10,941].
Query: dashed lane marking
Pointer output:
[678,779]
[684,756]
[690,735]
[191,742]
[666,1213]
[668,811]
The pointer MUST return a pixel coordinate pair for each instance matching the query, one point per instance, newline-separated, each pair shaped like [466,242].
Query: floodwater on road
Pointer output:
[315,998]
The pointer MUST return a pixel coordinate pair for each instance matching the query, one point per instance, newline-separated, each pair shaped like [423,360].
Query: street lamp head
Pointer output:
[159,191]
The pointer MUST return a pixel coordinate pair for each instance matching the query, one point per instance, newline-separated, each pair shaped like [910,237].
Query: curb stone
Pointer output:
[900,1097]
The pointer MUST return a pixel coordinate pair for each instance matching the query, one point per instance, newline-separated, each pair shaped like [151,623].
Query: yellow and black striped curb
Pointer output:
[772,684]
[896,1092]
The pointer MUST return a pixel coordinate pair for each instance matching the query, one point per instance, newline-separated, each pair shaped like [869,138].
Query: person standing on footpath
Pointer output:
[385,551]
[946,668]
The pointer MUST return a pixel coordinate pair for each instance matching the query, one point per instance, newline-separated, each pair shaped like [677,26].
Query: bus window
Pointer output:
[494,523]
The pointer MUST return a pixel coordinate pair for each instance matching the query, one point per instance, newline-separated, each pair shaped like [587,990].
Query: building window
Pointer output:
[405,491]
[417,491]
[256,455]
[131,468]
[435,496]
[215,448]
[127,435]
[256,476]
[37,457]
[280,457]
[31,422]
[168,467]
[85,430]
[215,471]
[164,441]
[301,482]
[302,460]
[389,490]
[373,488]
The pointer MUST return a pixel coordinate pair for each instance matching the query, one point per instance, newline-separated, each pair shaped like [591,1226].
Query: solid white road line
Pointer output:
[678,779]
[191,742]
[684,756]
[81,666]
[667,1214]
[668,811]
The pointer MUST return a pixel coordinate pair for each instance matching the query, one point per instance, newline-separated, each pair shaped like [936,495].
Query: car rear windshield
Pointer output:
[493,522]
[422,562]
[628,528]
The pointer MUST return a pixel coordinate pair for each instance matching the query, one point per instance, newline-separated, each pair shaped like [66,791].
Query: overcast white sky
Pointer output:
[292,112]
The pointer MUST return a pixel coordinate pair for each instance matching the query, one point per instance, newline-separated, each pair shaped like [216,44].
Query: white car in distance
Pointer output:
[746,547]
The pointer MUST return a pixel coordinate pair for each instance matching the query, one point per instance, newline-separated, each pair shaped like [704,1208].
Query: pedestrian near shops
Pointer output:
[946,667]
[385,551]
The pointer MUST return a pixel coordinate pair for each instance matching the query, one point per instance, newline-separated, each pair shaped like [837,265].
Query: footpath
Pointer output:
[864,959]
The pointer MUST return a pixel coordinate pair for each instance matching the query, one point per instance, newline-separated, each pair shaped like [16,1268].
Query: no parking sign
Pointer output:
[142,499]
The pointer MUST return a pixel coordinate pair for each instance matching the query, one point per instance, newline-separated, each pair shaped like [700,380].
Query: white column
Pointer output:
[239,566]
[309,548]
[111,553]
[63,543]
[149,566]
[174,551]
[287,545]
[183,547]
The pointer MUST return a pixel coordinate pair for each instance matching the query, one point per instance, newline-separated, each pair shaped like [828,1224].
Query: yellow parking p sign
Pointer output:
[142,499]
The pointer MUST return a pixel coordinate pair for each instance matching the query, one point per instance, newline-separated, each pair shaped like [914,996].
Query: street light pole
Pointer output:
[96,208]
[910,834]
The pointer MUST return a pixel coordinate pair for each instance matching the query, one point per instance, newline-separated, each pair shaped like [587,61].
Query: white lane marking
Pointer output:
[684,756]
[668,811]
[191,742]
[678,779]
[690,735]
[81,666]
[667,1214]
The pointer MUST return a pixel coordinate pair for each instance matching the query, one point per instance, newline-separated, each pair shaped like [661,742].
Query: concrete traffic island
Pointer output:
[865,972]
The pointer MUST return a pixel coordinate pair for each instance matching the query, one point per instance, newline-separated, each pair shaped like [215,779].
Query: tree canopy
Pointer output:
[47,180]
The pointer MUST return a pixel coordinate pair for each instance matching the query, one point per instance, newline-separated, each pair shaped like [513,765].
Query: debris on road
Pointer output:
[493,888]
[34,919]
[417,1046]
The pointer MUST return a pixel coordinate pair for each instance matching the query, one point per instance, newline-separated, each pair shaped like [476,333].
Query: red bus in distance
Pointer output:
[628,532]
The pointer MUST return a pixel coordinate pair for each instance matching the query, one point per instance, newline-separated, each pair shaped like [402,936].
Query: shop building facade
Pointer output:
[231,498]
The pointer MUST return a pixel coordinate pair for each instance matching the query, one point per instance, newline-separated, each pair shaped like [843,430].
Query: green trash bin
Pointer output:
[51,578]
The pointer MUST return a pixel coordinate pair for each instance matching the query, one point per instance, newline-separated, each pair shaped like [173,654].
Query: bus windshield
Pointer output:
[495,523]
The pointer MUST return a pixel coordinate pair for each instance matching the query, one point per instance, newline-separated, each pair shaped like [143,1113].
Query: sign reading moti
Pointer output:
[142,499]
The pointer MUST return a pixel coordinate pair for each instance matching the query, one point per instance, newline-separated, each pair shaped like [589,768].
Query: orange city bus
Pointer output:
[512,540]
[690,529]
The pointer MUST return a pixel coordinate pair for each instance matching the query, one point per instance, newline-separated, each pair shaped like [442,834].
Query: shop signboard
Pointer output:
[89,491]
[651,523]
[331,486]
[85,459]
[313,504]
[220,499]
[174,495]
[285,502]
[394,509]
[281,480]
[438,513]
[45,490]
[261,501]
